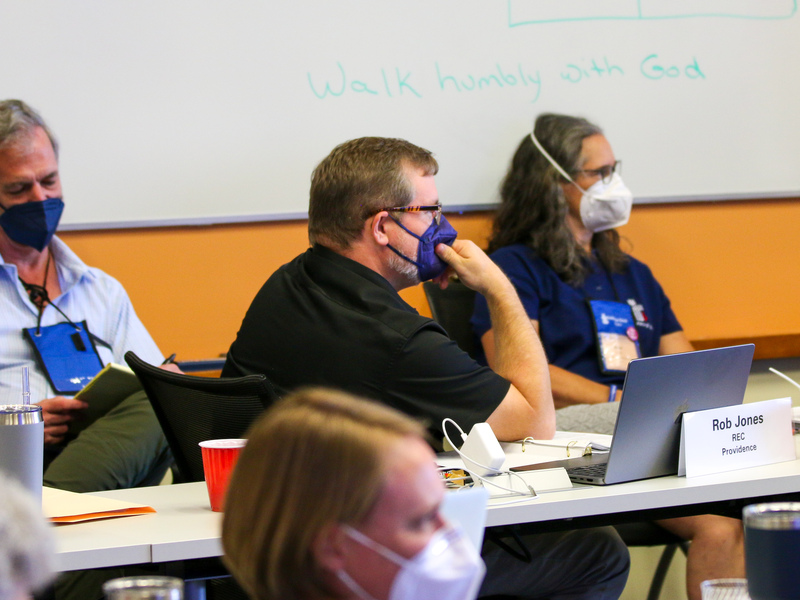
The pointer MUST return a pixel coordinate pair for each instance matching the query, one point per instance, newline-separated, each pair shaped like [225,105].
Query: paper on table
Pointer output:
[68,507]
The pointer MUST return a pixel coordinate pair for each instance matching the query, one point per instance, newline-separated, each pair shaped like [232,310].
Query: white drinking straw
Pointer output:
[26,387]
[786,377]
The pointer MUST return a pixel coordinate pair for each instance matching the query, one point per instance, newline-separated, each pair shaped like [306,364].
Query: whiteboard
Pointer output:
[193,111]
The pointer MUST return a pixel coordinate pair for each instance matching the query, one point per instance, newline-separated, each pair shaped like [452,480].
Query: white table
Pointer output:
[664,495]
[651,495]
[185,528]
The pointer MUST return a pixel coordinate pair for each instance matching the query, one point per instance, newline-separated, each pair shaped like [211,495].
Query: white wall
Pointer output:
[196,111]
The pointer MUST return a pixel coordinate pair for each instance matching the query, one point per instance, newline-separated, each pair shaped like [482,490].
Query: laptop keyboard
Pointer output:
[598,470]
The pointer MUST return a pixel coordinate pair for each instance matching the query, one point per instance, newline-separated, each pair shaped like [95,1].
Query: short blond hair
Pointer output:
[315,458]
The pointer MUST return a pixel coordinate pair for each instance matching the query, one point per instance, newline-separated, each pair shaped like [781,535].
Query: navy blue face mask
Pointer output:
[32,223]
[428,264]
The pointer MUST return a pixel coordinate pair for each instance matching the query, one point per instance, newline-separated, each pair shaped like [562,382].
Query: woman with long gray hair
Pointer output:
[594,306]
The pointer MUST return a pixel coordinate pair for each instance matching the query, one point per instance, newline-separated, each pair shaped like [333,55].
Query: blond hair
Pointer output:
[314,459]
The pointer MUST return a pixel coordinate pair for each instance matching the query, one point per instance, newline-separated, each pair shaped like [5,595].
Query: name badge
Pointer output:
[736,437]
[66,353]
[617,337]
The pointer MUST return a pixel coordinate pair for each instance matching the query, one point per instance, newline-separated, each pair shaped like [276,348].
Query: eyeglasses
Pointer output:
[436,209]
[604,173]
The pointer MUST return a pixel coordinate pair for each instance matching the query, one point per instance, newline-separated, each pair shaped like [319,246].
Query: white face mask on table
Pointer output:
[447,568]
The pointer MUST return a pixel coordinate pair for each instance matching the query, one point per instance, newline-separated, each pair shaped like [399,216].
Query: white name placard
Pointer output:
[736,437]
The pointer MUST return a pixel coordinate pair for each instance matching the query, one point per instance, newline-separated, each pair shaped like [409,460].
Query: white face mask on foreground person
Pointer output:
[447,568]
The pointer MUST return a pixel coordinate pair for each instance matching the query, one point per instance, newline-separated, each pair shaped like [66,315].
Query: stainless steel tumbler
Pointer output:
[772,550]
[22,445]
[144,588]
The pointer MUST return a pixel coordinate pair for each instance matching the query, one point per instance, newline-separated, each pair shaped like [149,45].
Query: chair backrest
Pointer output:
[452,309]
[192,409]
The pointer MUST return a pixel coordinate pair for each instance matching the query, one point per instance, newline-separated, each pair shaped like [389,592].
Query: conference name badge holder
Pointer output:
[736,437]
[617,337]
[66,353]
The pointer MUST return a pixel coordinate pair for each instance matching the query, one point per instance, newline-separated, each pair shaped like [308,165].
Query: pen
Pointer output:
[170,359]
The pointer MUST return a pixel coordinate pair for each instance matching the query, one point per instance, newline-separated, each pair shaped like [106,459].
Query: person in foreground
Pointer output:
[338,497]
[554,236]
[27,548]
[46,288]
[333,317]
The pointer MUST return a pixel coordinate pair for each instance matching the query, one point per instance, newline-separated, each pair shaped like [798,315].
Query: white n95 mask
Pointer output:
[604,205]
[447,568]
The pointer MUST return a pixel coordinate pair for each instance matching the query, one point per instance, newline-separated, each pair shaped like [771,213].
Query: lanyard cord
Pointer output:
[38,293]
[40,298]
[607,273]
[611,281]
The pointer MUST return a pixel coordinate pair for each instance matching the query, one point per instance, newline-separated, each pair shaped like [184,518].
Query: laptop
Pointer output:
[657,391]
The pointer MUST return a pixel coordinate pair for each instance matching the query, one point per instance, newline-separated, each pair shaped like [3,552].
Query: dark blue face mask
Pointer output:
[428,264]
[32,223]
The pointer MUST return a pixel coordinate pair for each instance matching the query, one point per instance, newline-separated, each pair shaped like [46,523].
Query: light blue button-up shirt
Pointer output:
[86,294]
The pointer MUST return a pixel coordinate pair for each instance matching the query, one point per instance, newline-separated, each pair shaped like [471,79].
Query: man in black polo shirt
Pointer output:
[333,317]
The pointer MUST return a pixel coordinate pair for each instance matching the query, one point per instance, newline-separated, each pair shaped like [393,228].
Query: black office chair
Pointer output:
[192,409]
[648,534]
[452,309]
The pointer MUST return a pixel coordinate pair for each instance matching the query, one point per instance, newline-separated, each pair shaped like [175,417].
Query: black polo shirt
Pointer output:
[324,319]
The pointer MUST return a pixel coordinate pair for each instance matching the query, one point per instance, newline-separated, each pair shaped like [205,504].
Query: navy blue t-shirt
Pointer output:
[565,321]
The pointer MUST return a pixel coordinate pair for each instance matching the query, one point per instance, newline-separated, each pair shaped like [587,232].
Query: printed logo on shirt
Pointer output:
[639,314]
[607,319]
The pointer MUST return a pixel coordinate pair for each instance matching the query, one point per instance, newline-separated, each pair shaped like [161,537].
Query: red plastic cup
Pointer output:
[219,458]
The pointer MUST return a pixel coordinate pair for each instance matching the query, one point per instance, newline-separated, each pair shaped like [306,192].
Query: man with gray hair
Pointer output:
[47,292]
[27,548]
